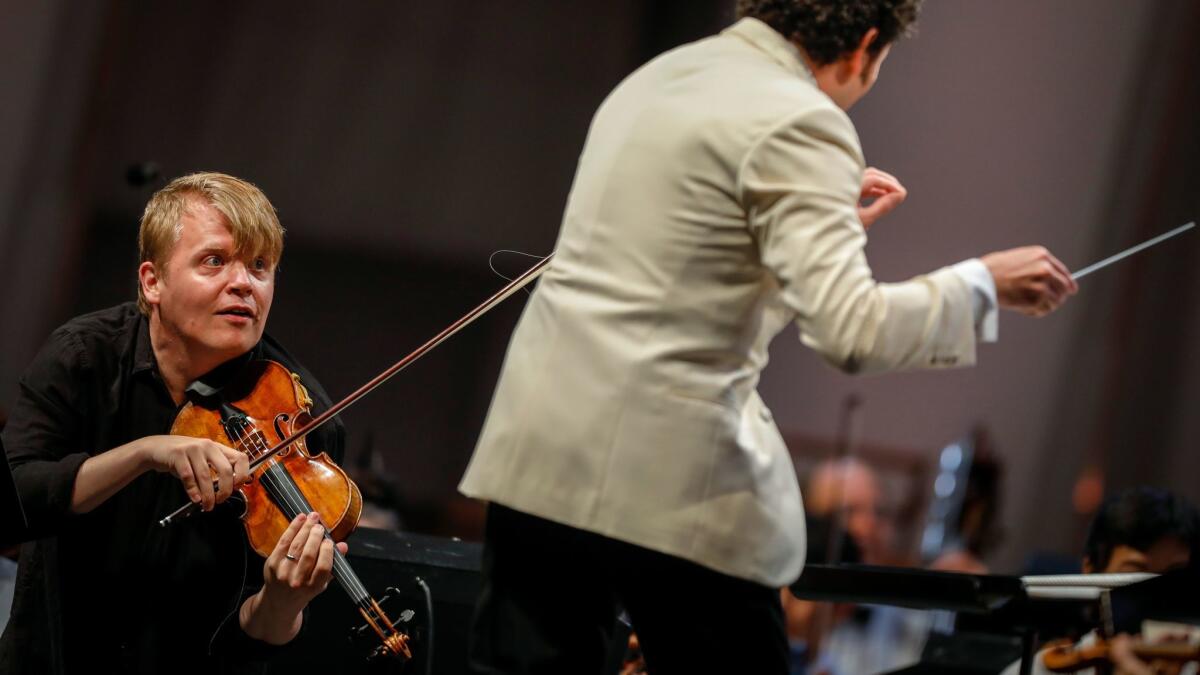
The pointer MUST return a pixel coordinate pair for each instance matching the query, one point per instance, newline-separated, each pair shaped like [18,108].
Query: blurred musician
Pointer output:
[1142,529]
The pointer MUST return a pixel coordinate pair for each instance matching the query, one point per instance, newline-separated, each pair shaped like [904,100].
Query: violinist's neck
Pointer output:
[178,365]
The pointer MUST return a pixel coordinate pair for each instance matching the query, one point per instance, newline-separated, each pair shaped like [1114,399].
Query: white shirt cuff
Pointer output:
[983,298]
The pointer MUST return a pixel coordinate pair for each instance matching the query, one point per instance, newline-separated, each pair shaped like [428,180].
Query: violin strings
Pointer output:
[280,484]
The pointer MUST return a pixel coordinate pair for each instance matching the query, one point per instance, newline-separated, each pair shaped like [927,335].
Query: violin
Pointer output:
[263,405]
[1067,657]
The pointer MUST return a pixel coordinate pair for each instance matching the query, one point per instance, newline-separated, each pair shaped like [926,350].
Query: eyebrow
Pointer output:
[213,248]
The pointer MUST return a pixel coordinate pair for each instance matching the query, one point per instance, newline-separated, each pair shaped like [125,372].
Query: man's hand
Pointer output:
[1121,652]
[197,462]
[887,192]
[1030,280]
[299,568]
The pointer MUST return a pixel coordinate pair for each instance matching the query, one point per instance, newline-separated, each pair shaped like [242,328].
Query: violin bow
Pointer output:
[503,294]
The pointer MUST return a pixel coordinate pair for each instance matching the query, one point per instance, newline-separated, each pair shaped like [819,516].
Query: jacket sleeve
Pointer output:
[799,185]
[44,434]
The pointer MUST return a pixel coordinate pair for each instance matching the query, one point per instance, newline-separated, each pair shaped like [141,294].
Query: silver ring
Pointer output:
[291,557]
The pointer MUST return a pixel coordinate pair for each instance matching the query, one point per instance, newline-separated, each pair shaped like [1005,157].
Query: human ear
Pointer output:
[860,59]
[148,279]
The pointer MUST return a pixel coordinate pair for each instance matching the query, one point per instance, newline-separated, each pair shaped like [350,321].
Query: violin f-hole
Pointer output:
[280,420]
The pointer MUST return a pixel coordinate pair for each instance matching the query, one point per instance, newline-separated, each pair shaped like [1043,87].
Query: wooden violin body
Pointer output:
[255,413]
[274,404]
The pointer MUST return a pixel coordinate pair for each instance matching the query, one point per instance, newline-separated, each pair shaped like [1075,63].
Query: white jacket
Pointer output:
[714,203]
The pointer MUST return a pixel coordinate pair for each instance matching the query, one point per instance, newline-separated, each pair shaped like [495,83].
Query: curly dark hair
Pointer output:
[829,29]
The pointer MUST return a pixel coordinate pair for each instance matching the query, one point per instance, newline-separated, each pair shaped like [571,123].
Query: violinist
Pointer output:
[103,588]
[1142,529]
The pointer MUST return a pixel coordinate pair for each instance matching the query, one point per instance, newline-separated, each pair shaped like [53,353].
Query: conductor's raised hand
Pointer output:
[886,192]
[198,463]
[1030,280]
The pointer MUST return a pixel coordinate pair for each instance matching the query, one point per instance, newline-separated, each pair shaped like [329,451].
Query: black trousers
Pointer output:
[551,595]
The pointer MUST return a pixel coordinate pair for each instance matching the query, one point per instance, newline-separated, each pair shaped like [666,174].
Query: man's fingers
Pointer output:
[1030,280]
[880,207]
[241,466]
[1069,280]
[1060,285]
[875,180]
[1055,283]
[891,200]
[183,469]
[204,477]
[885,190]
[323,570]
[222,469]
[296,551]
[871,170]
[315,534]
[881,186]
[868,215]
[284,545]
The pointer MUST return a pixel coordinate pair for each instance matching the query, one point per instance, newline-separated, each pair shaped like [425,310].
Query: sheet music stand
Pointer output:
[1000,601]
[1174,596]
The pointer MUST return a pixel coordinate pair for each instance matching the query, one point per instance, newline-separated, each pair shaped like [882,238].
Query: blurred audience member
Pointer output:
[846,639]
[1142,529]
[807,621]
[847,491]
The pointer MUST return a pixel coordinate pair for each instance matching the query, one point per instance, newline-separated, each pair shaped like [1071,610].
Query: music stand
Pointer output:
[1174,597]
[1001,601]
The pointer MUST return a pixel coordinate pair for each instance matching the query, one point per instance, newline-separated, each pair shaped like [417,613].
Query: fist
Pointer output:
[208,470]
[301,565]
[885,190]
[1030,280]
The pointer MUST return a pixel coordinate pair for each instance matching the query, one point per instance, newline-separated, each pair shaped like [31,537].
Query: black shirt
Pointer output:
[109,590]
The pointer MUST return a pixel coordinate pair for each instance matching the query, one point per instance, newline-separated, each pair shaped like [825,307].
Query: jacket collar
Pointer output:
[779,48]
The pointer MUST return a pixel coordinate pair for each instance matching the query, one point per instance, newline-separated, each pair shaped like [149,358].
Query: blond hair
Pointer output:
[252,220]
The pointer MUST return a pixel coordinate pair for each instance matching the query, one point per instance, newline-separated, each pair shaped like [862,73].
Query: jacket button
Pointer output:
[765,414]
